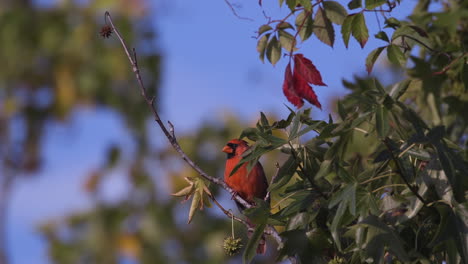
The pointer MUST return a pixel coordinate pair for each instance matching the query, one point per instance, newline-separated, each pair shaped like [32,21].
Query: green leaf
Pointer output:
[284,25]
[286,40]
[273,50]
[371,4]
[301,201]
[412,35]
[261,46]
[195,205]
[341,110]
[336,224]
[382,35]
[263,29]
[250,133]
[372,57]
[400,89]
[392,23]
[335,12]
[395,55]
[291,4]
[285,173]
[359,29]
[264,120]
[251,247]
[323,28]
[260,213]
[294,127]
[346,195]
[306,4]
[346,28]
[324,169]
[305,28]
[353,4]
[284,123]
[388,236]
[381,117]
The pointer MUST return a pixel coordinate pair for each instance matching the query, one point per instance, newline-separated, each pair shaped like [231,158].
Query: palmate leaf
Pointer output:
[395,55]
[383,236]
[199,191]
[453,229]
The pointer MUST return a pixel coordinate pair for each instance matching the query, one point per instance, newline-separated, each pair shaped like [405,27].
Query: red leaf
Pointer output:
[289,88]
[304,90]
[307,70]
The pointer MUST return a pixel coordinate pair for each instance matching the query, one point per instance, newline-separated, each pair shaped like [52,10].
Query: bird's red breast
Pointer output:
[247,185]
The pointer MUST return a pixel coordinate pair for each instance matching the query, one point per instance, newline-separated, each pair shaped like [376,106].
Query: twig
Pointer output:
[267,196]
[397,163]
[167,133]
[235,12]
[170,134]
[387,186]
[376,178]
[228,212]
[446,68]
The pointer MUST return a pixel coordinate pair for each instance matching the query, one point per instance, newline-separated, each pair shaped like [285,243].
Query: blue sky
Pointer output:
[210,67]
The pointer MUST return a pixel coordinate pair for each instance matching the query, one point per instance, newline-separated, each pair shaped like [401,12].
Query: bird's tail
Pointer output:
[262,246]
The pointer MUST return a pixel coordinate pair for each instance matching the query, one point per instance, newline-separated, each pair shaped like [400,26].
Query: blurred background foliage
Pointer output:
[55,62]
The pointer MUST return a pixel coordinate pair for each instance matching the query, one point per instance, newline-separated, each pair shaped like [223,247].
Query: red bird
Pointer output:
[246,186]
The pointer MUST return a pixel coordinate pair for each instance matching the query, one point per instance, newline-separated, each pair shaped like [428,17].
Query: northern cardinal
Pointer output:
[246,186]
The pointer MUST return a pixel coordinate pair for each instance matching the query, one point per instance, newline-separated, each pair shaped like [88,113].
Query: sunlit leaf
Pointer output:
[372,57]
[261,46]
[273,50]
[323,28]
[395,55]
[346,28]
[359,29]
[335,12]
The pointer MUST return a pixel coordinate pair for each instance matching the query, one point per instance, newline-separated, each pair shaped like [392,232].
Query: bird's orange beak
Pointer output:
[227,149]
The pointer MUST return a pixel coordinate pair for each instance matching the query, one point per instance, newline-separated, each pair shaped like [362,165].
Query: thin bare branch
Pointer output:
[150,102]
[170,135]
[235,12]
[267,196]
[412,188]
